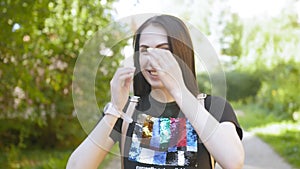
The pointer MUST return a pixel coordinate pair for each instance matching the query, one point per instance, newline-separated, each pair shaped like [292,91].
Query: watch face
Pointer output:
[107,106]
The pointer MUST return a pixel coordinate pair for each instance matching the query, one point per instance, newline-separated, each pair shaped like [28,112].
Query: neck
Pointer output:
[162,95]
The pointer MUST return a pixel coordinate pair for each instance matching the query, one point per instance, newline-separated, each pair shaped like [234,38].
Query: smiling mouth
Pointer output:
[152,72]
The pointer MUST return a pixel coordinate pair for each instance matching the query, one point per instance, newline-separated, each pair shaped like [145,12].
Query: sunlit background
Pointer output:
[207,15]
[244,8]
[256,41]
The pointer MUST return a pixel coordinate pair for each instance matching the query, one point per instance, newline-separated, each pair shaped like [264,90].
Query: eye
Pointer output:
[165,48]
[143,49]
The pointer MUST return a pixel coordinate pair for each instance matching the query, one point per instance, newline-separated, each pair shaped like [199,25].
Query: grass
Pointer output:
[286,144]
[282,135]
[15,158]
[253,116]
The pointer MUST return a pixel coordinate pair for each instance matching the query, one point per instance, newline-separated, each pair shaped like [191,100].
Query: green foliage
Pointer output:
[268,42]
[227,28]
[239,85]
[232,36]
[34,159]
[279,89]
[204,83]
[252,115]
[13,157]
[271,51]
[39,45]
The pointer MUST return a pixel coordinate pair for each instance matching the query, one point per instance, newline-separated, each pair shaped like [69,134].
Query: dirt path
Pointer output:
[260,155]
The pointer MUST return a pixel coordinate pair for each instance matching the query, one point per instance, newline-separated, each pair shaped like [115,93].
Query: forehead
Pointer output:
[153,34]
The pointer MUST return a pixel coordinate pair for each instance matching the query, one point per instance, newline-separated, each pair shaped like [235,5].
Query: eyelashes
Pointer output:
[144,49]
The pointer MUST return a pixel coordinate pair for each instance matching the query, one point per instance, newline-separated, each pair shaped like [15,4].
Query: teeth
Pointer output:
[153,73]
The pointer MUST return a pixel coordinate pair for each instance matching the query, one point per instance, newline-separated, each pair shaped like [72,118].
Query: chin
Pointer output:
[157,84]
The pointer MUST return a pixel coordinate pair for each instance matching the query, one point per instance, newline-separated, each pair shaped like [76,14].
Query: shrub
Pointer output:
[239,85]
[24,134]
[280,89]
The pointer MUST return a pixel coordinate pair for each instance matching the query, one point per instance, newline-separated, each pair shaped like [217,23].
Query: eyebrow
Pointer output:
[157,46]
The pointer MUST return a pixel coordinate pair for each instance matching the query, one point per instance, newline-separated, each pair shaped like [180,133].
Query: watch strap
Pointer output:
[112,110]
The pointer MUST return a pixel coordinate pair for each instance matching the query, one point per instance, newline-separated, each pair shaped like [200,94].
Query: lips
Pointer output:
[153,72]
[152,77]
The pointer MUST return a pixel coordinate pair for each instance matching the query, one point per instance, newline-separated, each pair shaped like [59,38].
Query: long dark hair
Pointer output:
[180,45]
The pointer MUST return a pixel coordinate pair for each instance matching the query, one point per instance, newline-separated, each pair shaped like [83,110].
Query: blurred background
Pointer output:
[257,42]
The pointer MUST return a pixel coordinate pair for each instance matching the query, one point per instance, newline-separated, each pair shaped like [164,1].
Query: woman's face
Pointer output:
[153,36]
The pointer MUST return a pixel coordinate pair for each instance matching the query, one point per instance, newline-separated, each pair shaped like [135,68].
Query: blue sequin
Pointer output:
[160,158]
[191,137]
[155,141]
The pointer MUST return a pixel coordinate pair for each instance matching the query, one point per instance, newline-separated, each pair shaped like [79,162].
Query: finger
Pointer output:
[168,59]
[155,64]
[126,79]
[126,76]
[121,81]
[155,55]
[116,81]
[161,55]
[123,70]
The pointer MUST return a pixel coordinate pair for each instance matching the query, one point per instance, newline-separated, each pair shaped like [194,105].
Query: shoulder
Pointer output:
[216,103]
[219,107]
[222,110]
[210,98]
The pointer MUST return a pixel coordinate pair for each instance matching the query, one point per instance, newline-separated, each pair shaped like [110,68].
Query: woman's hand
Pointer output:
[120,86]
[168,69]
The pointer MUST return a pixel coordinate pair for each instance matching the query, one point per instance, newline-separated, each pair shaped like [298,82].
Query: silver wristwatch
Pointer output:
[112,110]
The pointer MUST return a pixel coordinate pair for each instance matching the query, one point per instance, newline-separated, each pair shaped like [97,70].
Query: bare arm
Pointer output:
[220,139]
[91,152]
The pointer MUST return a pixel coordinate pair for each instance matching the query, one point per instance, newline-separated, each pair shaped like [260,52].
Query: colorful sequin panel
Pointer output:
[164,141]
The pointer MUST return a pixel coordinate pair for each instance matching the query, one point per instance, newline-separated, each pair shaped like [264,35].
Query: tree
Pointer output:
[39,45]
[270,50]
[227,29]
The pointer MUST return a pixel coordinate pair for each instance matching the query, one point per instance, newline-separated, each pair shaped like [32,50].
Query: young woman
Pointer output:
[171,127]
